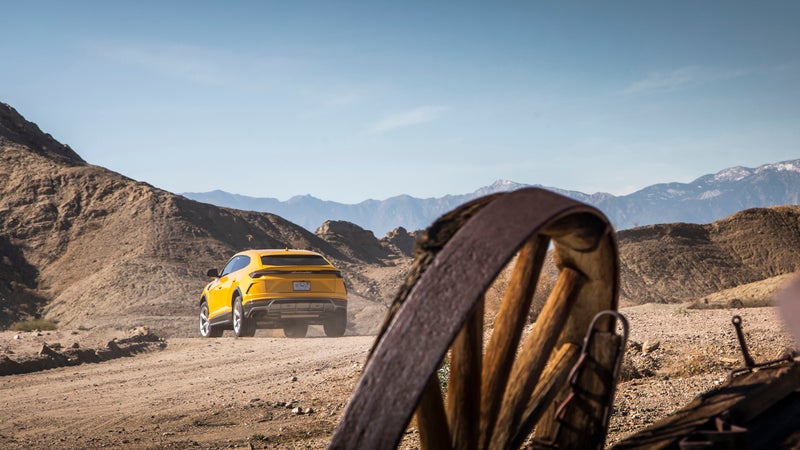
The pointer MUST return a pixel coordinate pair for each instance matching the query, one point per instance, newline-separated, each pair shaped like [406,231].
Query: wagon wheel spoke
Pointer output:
[434,431]
[523,397]
[535,353]
[464,383]
[502,345]
[554,376]
[497,395]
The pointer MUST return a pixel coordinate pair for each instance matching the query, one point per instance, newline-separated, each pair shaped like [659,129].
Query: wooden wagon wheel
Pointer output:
[496,396]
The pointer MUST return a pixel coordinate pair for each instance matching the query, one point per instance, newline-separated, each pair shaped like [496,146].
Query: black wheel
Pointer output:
[336,325]
[242,326]
[206,329]
[295,329]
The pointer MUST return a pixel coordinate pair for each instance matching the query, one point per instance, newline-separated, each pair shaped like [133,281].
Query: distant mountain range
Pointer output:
[704,200]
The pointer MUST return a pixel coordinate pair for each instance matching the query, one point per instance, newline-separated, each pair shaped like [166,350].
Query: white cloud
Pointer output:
[204,65]
[345,98]
[671,80]
[416,116]
[330,99]
[188,63]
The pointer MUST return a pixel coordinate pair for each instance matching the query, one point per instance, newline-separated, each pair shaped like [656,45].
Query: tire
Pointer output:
[206,329]
[336,325]
[295,329]
[242,326]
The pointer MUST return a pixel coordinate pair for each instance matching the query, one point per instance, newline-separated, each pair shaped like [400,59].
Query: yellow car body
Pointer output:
[289,289]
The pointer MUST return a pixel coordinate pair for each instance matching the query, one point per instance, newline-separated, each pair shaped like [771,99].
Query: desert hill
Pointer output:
[682,262]
[86,246]
[93,247]
[750,295]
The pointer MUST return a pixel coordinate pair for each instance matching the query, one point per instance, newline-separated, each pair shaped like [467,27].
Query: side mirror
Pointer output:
[213,273]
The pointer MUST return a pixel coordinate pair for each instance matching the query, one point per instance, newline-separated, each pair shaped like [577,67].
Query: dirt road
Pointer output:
[290,393]
[217,393]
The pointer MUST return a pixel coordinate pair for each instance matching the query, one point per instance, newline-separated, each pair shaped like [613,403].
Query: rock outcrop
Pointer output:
[354,241]
[401,241]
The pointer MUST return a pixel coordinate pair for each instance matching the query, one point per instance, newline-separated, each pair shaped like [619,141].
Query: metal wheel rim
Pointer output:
[237,320]
[205,324]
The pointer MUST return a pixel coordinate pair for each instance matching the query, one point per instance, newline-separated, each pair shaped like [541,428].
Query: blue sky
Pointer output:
[354,100]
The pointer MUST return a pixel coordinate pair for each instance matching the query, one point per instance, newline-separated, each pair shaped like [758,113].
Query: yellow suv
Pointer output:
[289,289]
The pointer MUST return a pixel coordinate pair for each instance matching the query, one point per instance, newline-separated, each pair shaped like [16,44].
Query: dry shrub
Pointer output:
[30,325]
[694,363]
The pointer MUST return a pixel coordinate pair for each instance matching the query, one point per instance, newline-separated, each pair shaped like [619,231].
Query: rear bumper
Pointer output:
[272,312]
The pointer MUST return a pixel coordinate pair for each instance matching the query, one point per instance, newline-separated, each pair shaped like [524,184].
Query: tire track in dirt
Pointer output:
[195,391]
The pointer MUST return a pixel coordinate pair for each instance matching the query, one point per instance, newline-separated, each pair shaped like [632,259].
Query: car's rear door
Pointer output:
[220,292]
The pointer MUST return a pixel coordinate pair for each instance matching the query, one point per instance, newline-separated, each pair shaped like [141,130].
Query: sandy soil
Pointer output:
[215,393]
[697,349]
[289,393]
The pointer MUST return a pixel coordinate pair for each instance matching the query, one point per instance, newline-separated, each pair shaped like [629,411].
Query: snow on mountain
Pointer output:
[498,186]
[706,199]
[786,166]
[710,194]
[732,174]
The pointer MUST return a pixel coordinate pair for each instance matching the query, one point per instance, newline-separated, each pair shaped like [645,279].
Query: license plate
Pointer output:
[301,285]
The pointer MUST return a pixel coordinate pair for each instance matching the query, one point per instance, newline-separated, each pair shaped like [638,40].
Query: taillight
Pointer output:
[261,273]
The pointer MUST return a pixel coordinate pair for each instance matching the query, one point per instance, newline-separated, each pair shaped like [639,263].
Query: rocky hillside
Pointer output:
[14,128]
[681,262]
[86,246]
[361,244]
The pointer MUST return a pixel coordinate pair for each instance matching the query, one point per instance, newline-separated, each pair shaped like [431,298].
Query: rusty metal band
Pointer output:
[437,307]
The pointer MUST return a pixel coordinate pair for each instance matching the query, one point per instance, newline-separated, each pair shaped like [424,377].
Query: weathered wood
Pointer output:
[582,425]
[431,418]
[735,395]
[444,294]
[508,326]
[600,268]
[534,355]
[598,293]
[464,385]
[428,245]
[582,231]
[553,378]
[765,397]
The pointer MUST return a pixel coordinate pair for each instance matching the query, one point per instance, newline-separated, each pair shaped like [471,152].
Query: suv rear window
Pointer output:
[293,260]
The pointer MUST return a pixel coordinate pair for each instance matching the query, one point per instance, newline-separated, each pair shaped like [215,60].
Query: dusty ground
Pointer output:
[697,349]
[231,393]
[214,393]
